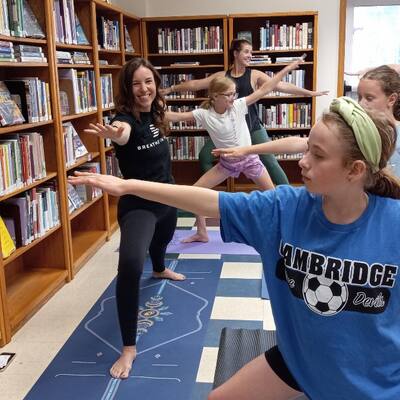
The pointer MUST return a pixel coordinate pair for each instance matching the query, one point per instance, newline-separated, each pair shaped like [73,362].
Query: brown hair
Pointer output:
[236,45]
[125,100]
[383,182]
[218,85]
[389,81]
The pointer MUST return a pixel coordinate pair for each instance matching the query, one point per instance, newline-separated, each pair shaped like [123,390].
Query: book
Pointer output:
[17,209]
[10,114]
[128,41]
[245,35]
[30,22]
[73,198]
[7,244]
[80,34]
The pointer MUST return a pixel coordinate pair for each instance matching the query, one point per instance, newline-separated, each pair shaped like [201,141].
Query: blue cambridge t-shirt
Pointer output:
[333,288]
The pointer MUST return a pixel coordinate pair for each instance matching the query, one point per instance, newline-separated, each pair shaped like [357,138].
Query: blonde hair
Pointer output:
[218,85]
[383,182]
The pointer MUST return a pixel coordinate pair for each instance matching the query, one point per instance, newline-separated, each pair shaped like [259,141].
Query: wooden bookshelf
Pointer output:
[204,61]
[34,272]
[252,23]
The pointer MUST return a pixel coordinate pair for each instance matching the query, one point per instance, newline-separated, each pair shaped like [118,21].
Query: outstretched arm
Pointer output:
[179,116]
[271,83]
[198,200]
[286,87]
[193,85]
[288,145]
[118,131]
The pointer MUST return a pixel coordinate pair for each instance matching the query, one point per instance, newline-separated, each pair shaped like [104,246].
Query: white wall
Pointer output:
[328,29]
[137,7]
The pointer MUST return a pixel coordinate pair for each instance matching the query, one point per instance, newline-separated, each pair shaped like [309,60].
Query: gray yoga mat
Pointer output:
[239,346]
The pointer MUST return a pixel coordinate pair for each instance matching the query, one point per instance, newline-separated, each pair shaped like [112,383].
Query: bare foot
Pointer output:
[169,274]
[197,237]
[122,367]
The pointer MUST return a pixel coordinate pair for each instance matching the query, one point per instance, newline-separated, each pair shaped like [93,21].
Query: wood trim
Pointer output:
[56,111]
[342,46]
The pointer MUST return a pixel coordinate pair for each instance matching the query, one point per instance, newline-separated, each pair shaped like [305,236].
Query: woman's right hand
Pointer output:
[105,131]
[229,152]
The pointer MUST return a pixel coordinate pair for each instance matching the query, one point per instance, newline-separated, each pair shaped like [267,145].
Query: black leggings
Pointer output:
[141,230]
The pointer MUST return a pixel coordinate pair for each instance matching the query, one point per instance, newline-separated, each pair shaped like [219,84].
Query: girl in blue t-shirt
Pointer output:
[330,256]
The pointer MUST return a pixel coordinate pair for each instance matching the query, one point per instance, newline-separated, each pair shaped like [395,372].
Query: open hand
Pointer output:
[321,93]
[109,183]
[105,131]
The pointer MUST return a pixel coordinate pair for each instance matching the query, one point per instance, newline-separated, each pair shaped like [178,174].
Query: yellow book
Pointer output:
[7,244]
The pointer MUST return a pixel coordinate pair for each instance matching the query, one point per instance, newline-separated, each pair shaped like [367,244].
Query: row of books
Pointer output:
[24,100]
[21,52]
[260,59]
[183,124]
[77,91]
[7,52]
[68,27]
[107,93]
[78,195]
[73,145]
[190,40]
[296,77]
[186,147]
[167,80]
[18,19]
[22,160]
[74,57]
[286,37]
[293,115]
[108,33]
[31,214]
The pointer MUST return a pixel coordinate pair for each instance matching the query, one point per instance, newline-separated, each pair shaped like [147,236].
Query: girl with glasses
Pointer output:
[224,118]
[247,81]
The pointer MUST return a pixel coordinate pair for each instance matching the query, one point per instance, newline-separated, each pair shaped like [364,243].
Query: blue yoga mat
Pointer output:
[264,289]
[172,323]
[215,245]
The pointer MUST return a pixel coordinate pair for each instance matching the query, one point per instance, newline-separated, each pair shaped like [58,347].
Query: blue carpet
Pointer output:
[172,324]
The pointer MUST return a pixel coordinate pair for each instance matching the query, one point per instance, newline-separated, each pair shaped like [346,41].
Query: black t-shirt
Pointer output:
[145,156]
[244,88]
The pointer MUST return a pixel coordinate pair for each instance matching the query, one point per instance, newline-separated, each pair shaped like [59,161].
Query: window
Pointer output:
[372,38]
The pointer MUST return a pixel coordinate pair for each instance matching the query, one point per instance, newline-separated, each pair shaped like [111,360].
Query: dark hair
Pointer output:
[389,81]
[236,45]
[125,100]
[383,182]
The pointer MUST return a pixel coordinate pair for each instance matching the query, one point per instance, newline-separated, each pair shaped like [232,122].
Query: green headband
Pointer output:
[364,129]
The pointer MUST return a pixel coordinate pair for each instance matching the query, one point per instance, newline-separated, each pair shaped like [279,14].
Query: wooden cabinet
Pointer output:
[275,37]
[35,271]
[184,48]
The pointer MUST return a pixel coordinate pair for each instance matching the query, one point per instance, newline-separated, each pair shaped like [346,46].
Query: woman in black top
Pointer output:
[138,133]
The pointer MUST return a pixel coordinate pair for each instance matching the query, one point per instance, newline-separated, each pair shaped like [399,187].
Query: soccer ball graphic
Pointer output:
[324,296]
